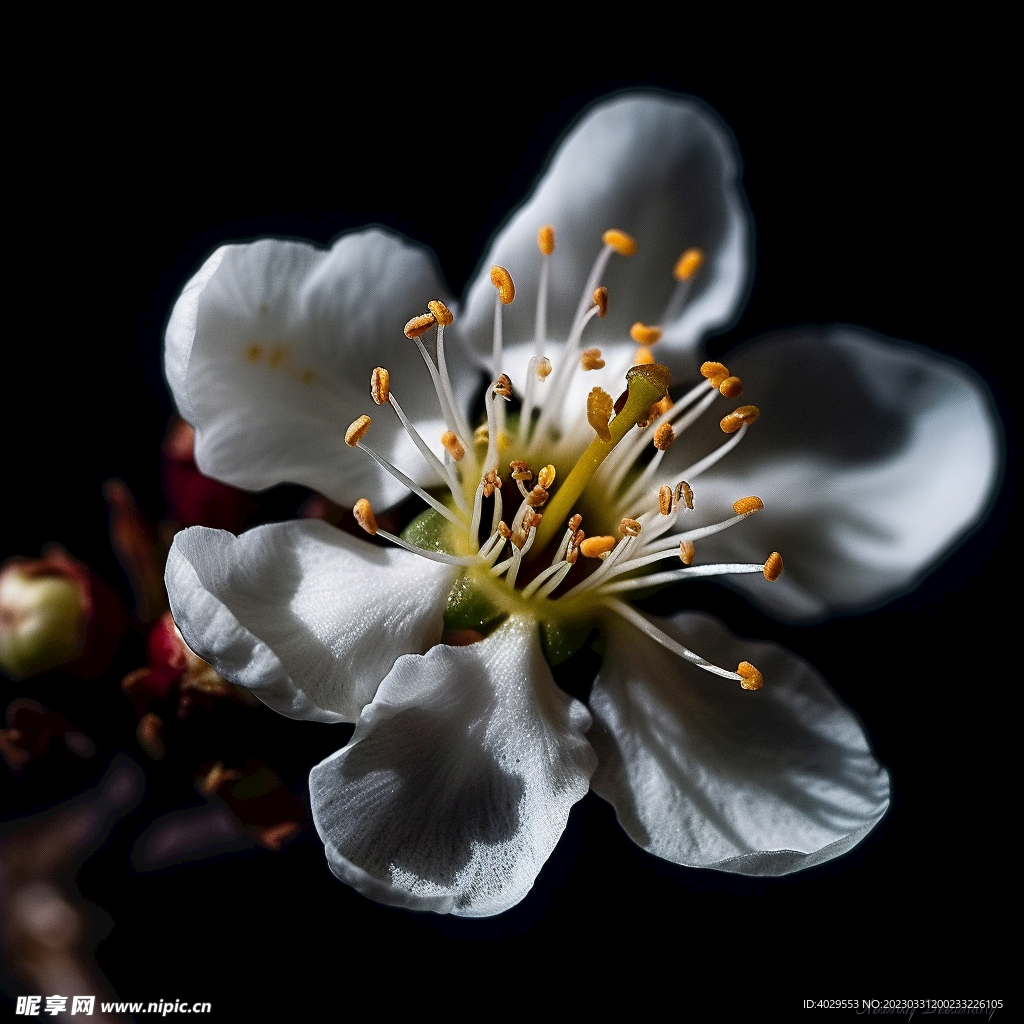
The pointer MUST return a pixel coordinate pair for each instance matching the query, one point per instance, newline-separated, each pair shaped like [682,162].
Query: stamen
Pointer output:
[380,381]
[419,325]
[629,527]
[743,416]
[731,387]
[623,240]
[623,244]
[546,476]
[553,584]
[659,579]
[688,264]
[363,512]
[773,567]
[502,280]
[601,301]
[664,499]
[537,497]
[543,369]
[746,506]
[356,430]
[643,356]
[684,493]
[647,627]
[441,313]
[750,677]
[663,437]
[686,552]
[546,239]
[599,412]
[520,470]
[644,335]
[717,373]
[590,359]
[453,446]
[595,547]
[685,270]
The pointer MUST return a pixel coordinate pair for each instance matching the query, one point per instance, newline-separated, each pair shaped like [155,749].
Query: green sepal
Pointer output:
[468,607]
[562,640]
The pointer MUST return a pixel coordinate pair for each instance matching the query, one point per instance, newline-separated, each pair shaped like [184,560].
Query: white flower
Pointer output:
[871,458]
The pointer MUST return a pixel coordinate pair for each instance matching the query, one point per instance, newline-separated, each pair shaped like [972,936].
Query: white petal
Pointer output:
[661,168]
[459,778]
[269,354]
[307,617]
[872,457]
[706,774]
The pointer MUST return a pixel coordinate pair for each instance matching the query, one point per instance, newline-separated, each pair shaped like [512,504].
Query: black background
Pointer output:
[872,175]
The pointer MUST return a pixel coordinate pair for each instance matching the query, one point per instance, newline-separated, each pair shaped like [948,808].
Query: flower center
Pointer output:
[539,474]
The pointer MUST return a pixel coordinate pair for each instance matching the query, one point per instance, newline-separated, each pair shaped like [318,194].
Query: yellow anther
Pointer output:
[688,264]
[492,482]
[546,239]
[380,385]
[520,470]
[644,335]
[643,355]
[599,412]
[453,446]
[664,436]
[664,499]
[686,552]
[363,511]
[546,477]
[717,373]
[543,369]
[502,280]
[601,301]
[750,678]
[536,497]
[731,387]
[745,414]
[574,523]
[504,530]
[481,435]
[595,547]
[773,567]
[623,244]
[684,494]
[503,386]
[590,359]
[356,430]
[418,324]
[442,314]
[629,527]
[744,506]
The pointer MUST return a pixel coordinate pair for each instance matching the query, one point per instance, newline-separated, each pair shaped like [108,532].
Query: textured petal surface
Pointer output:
[706,774]
[269,354]
[307,617]
[459,778]
[661,168]
[872,457]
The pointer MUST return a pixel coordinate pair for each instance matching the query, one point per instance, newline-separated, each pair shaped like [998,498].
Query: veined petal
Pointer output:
[872,457]
[705,774]
[458,781]
[665,170]
[308,618]
[269,354]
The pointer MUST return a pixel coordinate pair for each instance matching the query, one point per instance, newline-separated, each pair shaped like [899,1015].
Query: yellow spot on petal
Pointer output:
[308,376]
[253,353]
[276,357]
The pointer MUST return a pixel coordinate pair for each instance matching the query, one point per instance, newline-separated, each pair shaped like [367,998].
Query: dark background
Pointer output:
[872,177]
